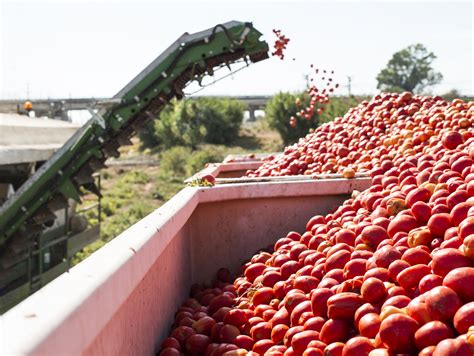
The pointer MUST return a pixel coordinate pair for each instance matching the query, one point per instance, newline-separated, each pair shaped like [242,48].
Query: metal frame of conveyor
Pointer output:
[68,174]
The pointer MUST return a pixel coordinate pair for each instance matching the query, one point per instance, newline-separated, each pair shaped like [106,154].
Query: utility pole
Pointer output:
[306,78]
[349,79]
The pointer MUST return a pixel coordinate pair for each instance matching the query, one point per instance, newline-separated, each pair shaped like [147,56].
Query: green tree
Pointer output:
[195,121]
[281,108]
[451,95]
[338,106]
[222,118]
[409,70]
[187,125]
[283,105]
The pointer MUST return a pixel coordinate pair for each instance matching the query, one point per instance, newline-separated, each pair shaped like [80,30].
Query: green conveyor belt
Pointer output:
[31,208]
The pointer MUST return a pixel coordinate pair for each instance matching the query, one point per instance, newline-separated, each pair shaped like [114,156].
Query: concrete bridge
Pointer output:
[58,108]
[52,108]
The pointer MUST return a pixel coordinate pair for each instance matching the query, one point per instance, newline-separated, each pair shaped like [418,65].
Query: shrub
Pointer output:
[195,121]
[182,125]
[173,161]
[279,110]
[222,119]
[451,95]
[338,106]
[283,106]
[181,162]
[148,137]
[198,159]
[114,226]
[135,177]
[159,132]
[109,206]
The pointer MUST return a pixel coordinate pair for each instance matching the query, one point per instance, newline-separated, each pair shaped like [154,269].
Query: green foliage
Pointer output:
[160,132]
[195,121]
[135,177]
[147,136]
[183,125]
[451,95]
[338,106]
[167,187]
[281,108]
[173,161]
[120,193]
[198,159]
[181,162]
[222,119]
[409,70]
[110,206]
[120,209]
[120,222]
[115,226]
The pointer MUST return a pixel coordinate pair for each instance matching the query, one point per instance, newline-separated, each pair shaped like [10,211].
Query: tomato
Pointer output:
[373,290]
[442,303]
[369,325]
[452,347]
[197,344]
[334,330]
[398,332]
[464,318]
[301,340]
[431,334]
[410,277]
[448,259]
[357,346]
[343,305]
[461,280]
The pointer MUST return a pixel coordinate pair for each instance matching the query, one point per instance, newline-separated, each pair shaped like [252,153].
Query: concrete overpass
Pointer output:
[24,144]
[52,108]
[253,102]
[58,108]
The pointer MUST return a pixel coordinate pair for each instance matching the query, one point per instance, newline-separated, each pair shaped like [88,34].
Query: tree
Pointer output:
[409,70]
[451,95]
[195,121]
[281,107]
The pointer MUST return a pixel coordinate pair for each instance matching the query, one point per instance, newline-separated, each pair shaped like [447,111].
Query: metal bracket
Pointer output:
[108,103]
[97,118]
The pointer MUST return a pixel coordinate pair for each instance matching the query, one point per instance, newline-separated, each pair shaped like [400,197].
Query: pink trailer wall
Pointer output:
[122,299]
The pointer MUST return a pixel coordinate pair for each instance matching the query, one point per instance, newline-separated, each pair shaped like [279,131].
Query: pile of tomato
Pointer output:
[389,272]
[358,140]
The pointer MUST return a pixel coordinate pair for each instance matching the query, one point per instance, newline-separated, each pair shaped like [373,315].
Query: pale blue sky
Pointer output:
[63,49]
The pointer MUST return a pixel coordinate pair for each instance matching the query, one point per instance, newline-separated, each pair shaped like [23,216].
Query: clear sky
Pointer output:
[75,49]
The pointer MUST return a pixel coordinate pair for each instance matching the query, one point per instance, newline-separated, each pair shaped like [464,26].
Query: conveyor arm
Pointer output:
[31,208]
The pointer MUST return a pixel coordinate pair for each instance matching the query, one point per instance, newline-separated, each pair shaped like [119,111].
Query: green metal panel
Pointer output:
[14,297]
[17,271]
[52,234]
[54,272]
